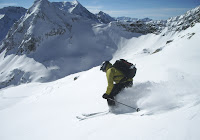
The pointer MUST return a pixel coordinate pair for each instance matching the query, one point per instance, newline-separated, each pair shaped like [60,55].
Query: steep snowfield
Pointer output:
[166,88]
[21,66]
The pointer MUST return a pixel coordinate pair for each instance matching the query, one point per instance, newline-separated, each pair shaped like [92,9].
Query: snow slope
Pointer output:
[166,88]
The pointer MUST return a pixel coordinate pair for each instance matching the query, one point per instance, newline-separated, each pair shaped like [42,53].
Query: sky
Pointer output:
[155,9]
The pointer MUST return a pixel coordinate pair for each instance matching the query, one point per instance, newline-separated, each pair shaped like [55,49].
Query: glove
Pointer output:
[105,96]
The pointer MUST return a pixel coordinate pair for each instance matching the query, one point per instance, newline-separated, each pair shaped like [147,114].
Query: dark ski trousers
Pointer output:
[117,89]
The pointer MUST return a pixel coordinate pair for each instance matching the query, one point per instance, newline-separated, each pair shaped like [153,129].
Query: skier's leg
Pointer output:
[111,102]
[116,89]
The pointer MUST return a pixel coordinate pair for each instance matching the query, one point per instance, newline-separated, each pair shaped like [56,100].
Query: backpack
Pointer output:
[127,68]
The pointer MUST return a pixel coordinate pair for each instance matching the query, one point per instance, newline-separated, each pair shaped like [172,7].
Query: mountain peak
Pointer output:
[38,4]
[75,2]
[102,13]
[41,2]
[103,17]
[75,8]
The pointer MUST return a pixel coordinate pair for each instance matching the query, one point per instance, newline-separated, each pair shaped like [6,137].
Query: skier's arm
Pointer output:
[110,76]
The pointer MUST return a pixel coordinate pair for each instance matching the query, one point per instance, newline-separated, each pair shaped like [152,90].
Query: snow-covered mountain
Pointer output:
[129,19]
[143,27]
[8,16]
[147,25]
[50,43]
[75,8]
[145,19]
[104,18]
[189,19]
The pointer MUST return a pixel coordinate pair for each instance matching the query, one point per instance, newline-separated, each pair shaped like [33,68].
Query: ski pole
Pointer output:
[137,109]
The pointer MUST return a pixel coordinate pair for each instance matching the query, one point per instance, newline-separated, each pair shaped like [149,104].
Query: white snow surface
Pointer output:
[166,88]
[1,16]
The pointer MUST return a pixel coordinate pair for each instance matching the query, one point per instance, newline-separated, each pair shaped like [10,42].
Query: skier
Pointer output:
[115,82]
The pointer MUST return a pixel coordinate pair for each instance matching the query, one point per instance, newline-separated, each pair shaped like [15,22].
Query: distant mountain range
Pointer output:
[9,15]
[129,19]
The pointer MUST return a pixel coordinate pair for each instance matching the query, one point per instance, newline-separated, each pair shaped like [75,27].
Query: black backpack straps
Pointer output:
[127,69]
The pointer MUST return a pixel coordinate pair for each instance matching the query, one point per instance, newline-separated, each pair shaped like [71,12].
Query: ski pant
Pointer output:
[117,89]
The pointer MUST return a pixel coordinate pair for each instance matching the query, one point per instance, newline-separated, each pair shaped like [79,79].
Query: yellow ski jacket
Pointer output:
[113,76]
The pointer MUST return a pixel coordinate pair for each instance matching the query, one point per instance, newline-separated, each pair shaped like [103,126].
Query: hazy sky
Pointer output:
[155,9]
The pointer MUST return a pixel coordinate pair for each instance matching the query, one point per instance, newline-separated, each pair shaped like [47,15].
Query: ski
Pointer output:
[92,115]
[95,113]
[98,114]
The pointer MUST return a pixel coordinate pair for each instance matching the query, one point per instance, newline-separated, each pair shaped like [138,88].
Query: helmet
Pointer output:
[104,65]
